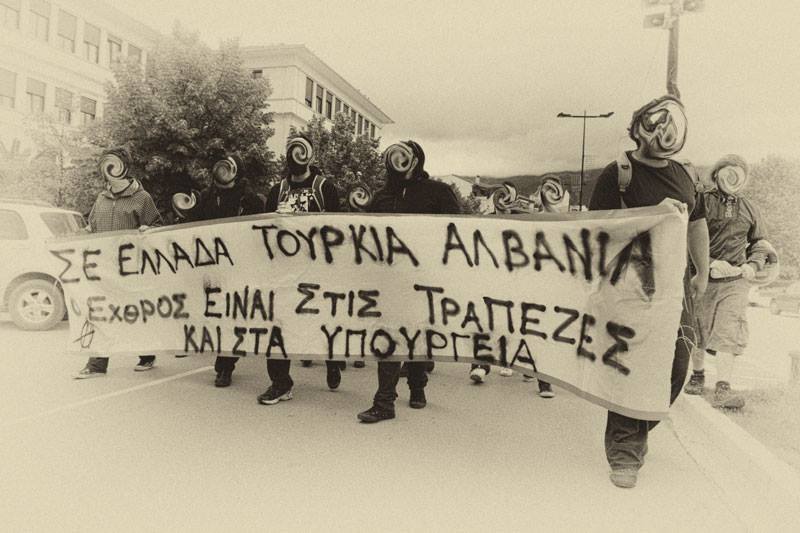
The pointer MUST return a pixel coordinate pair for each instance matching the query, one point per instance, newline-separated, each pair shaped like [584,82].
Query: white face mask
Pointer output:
[114,170]
[225,172]
[662,129]
[400,160]
[731,179]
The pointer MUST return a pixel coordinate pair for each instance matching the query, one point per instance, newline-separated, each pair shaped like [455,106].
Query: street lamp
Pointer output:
[583,144]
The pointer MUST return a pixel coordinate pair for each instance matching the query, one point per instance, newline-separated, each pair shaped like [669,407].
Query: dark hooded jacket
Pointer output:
[216,202]
[420,195]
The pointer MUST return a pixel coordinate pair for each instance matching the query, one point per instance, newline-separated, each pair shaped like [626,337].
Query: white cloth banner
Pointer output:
[592,300]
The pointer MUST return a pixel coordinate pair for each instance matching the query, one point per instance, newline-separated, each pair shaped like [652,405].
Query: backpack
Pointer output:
[316,191]
[625,174]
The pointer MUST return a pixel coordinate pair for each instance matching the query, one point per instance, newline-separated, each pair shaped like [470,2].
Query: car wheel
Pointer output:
[774,308]
[36,305]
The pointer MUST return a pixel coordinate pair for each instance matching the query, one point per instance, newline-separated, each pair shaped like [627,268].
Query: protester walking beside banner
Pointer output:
[124,204]
[647,176]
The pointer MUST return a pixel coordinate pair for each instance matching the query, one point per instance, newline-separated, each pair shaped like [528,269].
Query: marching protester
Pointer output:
[303,190]
[408,189]
[229,195]
[645,177]
[735,227]
[122,205]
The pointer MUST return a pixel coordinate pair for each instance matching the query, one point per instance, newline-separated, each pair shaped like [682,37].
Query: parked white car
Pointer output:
[29,290]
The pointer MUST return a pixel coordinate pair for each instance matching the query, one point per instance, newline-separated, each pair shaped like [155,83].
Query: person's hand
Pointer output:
[748,272]
[143,228]
[679,206]
[723,269]
[699,284]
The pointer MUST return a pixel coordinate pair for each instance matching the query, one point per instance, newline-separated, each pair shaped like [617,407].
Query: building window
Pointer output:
[372,131]
[360,124]
[346,110]
[64,105]
[366,127]
[310,92]
[328,104]
[91,43]
[134,54]
[39,20]
[67,27]
[8,88]
[35,92]
[9,14]
[337,107]
[258,74]
[320,90]
[114,50]
[88,110]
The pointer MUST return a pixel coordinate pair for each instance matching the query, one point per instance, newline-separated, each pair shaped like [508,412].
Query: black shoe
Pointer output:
[223,378]
[430,366]
[404,370]
[417,400]
[334,376]
[273,396]
[306,363]
[375,414]
[545,390]
[359,364]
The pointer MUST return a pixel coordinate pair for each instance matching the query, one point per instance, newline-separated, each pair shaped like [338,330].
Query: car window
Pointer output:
[12,227]
[61,223]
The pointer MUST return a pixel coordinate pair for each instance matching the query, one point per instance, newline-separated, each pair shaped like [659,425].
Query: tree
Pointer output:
[774,187]
[191,106]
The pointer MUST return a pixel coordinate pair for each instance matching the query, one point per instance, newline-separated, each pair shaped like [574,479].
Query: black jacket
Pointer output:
[421,196]
[215,202]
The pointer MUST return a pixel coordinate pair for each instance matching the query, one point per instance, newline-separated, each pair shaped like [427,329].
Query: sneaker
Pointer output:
[724,398]
[273,396]
[375,414]
[404,371]
[305,363]
[223,378]
[87,373]
[334,377]
[359,364]
[527,379]
[546,390]
[696,384]
[417,400]
[477,375]
[624,478]
[144,366]
[506,372]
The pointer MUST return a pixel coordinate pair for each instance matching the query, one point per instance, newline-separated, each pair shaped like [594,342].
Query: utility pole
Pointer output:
[670,20]
[584,116]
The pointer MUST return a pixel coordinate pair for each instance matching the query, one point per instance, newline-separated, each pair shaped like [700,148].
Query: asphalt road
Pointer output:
[166,451]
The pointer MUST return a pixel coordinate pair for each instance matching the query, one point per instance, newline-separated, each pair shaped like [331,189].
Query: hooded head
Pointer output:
[227,170]
[659,127]
[299,154]
[114,166]
[730,174]
[405,161]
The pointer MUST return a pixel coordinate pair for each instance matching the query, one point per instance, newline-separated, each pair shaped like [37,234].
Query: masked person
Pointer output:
[408,189]
[122,205]
[229,195]
[645,177]
[735,227]
[302,190]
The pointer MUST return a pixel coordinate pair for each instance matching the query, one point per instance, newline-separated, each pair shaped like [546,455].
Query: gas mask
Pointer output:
[399,159]
[299,154]
[225,172]
[114,166]
[660,127]
[730,174]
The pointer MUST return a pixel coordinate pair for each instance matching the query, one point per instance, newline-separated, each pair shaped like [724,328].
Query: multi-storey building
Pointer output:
[56,57]
[304,86]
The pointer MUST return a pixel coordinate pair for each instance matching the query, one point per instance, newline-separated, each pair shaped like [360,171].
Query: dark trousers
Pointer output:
[225,363]
[388,376]
[100,364]
[278,371]
[626,438]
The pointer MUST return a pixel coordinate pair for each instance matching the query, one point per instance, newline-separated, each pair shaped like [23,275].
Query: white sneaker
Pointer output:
[87,373]
[477,375]
[144,367]
[506,372]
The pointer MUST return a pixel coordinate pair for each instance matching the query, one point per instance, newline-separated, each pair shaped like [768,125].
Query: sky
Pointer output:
[479,83]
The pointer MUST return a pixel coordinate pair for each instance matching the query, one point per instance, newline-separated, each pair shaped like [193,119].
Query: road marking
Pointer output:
[106,396]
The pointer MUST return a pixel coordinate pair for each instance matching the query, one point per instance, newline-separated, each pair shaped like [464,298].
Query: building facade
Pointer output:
[56,57]
[304,87]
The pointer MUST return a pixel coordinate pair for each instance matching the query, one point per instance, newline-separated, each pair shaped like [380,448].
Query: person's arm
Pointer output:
[606,191]
[698,245]
[149,216]
[757,261]
[92,218]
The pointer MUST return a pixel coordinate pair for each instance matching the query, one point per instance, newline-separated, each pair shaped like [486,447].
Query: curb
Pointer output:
[762,490]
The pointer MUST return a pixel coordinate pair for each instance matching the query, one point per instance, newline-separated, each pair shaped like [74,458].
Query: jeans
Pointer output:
[388,376]
[225,363]
[100,364]
[278,371]
[626,438]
